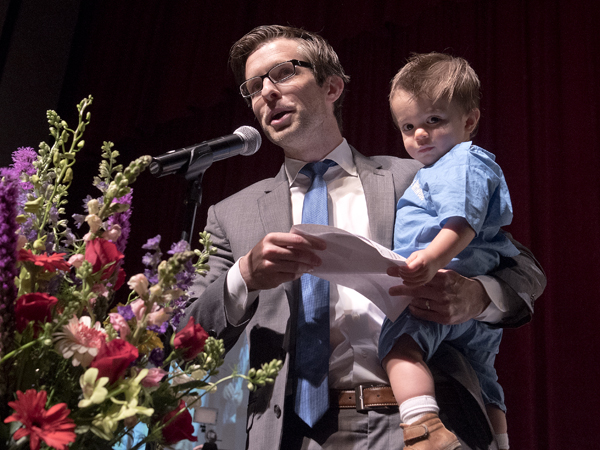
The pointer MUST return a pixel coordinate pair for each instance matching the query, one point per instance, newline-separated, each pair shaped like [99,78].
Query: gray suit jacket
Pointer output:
[239,222]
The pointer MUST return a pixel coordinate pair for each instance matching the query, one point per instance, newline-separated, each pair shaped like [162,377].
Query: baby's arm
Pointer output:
[422,265]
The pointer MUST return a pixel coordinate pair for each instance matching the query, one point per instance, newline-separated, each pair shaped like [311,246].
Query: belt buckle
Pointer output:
[359,398]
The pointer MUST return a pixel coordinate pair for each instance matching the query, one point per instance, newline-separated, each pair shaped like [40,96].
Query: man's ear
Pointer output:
[472,119]
[335,86]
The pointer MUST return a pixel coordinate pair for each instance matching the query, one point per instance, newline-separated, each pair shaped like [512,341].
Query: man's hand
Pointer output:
[278,258]
[449,298]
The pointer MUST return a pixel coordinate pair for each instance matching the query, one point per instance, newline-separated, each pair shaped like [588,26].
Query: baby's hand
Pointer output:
[419,269]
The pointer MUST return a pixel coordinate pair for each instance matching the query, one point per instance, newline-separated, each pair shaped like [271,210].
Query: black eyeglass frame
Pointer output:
[295,63]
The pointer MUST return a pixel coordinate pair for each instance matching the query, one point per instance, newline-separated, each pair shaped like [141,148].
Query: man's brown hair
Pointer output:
[313,47]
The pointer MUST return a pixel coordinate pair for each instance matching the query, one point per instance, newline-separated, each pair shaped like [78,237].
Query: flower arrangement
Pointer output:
[76,369]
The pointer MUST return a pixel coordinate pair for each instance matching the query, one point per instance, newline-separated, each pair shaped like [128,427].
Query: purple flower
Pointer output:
[69,238]
[152,259]
[23,160]
[8,258]
[179,247]
[79,220]
[158,329]
[53,215]
[157,357]
[126,312]
[152,243]
[123,220]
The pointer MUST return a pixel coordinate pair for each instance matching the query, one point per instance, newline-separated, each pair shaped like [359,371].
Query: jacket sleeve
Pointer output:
[522,281]
[207,295]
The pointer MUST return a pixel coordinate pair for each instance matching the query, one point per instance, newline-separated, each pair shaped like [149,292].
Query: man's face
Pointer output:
[295,111]
[430,130]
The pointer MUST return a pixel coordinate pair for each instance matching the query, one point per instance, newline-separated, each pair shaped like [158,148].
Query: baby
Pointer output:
[450,217]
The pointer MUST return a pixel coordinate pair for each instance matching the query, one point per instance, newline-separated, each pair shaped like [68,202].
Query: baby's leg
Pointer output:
[414,390]
[498,421]
[408,373]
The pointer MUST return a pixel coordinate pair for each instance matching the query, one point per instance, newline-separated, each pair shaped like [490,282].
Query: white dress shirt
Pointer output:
[355,321]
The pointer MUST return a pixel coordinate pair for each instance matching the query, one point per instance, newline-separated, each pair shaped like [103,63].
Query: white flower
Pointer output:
[197,372]
[92,388]
[94,222]
[93,206]
[139,283]
[79,340]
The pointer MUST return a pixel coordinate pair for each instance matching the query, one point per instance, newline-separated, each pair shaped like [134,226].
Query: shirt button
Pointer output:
[277,411]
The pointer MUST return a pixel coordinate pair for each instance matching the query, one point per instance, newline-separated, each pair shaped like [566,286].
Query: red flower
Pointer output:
[113,359]
[191,339]
[49,262]
[34,307]
[121,277]
[100,252]
[53,426]
[180,427]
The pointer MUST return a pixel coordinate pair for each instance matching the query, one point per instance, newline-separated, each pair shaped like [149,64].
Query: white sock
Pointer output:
[502,440]
[414,408]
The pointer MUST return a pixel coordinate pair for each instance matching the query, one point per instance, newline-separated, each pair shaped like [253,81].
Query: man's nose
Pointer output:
[269,89]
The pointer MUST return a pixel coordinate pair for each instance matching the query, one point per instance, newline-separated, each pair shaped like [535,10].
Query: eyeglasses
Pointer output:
[281,72]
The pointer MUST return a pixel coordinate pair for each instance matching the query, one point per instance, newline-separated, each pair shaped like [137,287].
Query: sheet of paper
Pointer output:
[358,263]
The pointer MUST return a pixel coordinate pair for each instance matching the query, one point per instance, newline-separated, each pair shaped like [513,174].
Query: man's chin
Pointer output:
[278,135]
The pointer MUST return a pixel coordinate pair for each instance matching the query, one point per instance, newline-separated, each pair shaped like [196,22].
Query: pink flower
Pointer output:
[154,376]
[159,316]
[120,325]
[21,241]
[77,260]
[80,341]
[100,289]
[113,233]
[52,426]
[139,309]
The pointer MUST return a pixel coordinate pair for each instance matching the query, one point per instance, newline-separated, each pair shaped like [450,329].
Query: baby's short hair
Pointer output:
[439,76]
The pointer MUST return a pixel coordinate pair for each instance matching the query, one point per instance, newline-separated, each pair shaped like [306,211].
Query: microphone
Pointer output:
[244,141]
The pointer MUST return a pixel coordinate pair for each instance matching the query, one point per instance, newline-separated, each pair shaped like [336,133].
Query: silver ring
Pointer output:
[427,304]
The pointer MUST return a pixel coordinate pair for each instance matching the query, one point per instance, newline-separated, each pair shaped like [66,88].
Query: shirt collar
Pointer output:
[342,155]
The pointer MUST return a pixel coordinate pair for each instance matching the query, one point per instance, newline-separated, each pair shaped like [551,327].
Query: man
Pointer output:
[295,84]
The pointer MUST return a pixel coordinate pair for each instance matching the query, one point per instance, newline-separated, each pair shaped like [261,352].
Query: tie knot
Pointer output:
[317,168]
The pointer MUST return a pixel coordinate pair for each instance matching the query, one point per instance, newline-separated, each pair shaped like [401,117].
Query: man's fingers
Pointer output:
[427,314]
[279,257]
[304,240]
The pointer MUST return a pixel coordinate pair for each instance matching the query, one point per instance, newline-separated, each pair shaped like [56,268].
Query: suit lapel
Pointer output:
[275,206]
[275,210]
[377,184]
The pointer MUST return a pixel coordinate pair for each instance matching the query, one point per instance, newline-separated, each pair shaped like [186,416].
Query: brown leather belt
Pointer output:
[364,397]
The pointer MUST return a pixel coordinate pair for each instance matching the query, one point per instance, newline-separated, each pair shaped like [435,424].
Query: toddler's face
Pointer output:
[430,130]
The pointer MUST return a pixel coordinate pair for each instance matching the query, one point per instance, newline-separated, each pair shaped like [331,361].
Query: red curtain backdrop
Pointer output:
[158,73]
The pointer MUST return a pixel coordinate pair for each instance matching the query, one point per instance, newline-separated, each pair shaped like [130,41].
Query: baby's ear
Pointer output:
[472,119]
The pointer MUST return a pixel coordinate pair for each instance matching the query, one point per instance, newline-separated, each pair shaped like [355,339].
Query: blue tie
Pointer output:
[312,337]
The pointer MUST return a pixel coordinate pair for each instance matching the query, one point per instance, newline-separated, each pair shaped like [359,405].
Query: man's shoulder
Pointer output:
[254,190]
[392,163]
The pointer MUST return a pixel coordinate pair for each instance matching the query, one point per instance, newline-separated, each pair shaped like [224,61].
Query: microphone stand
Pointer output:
[202,160]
